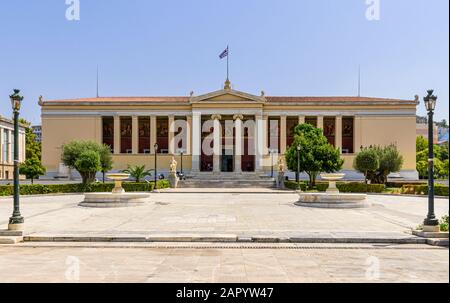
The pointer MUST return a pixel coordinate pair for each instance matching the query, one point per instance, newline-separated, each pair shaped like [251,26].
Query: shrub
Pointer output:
[39,189]
[351,187]
[439,190]
[366,162]
[444,223]
[138,172]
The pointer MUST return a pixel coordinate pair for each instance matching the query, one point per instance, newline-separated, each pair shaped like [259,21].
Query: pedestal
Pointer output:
[280,180]
[173,179]
[118,189]
[332,189]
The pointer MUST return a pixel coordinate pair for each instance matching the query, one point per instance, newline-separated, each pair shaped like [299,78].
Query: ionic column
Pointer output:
[357,134]
[301,119]
[135,135]
[188,137]
[320,122]
[171,135]
[238,143]
[117,135]
[282,134]
[217,143]
[153,138]
[265,135]
[259,143]
[196,141]
[339,133]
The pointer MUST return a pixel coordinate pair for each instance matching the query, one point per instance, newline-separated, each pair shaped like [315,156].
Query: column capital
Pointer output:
[216,117]
[238,117]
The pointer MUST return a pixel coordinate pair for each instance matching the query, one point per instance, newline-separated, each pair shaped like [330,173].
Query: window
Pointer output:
[274,134]
[348,135]
[6,146]
[329,129]
[144,135]
[162,134]
[291,123]
[108,132]
[126,131]
[311,120]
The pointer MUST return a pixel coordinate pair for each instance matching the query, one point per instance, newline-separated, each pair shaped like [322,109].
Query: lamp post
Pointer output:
[299,148]
[181,158]
[430,223]
[16,221]
[271,151]
[155,147]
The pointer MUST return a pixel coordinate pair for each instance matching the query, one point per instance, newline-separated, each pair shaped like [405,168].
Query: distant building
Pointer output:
[422,130]
[7,150]
[37,130]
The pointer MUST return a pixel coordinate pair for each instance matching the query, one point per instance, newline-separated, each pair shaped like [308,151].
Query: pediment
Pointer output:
[228,96]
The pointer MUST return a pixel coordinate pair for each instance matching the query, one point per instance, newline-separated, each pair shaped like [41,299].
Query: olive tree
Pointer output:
[88,158]
[366,162]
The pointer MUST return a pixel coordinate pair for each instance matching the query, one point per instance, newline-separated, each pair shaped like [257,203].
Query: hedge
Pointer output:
[439,190]
[39,189]
[352,187]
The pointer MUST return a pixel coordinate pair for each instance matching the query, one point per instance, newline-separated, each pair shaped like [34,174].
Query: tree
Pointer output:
[388,159]
[79,155]
[32,168]
[32,148]
[366,162]
[106,160]
[316,155]
[88,164]
[138,172]
[441,155]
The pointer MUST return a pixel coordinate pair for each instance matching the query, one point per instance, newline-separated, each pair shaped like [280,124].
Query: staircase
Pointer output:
[227,180]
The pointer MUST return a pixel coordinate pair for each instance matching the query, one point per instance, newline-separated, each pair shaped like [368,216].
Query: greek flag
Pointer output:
[224,53]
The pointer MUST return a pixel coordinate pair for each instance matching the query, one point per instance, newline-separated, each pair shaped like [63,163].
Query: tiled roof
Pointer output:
[331,99]
[270,99]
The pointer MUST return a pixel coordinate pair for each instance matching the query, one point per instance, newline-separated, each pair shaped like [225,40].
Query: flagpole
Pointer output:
[228,63]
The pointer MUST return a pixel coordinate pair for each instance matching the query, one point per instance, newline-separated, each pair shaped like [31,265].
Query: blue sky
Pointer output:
[170,47]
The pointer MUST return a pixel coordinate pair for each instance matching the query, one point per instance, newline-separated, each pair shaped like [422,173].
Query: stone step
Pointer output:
[226,184]
[10,233]
[10,240]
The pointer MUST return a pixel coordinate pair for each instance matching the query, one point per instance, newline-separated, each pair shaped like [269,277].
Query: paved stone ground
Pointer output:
[299,263]
[211,213]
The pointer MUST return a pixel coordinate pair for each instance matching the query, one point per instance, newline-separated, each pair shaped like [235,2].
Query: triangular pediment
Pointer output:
[228,96]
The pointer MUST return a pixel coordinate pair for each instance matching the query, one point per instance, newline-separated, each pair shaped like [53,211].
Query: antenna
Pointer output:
[97,81]
[359,80]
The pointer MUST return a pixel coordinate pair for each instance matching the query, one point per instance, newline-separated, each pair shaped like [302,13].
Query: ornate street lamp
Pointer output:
[299,148]
[16,221]
[156,169]
[430,223]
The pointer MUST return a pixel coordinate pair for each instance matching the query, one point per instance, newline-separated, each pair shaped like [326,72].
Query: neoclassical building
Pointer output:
[132,125]
[7,148]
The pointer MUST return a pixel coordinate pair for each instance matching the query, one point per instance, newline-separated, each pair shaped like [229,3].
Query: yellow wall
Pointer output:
[56,131]
[386,130]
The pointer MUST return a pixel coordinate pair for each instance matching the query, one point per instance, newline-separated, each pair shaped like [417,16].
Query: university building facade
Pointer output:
[7,148]
[261,127]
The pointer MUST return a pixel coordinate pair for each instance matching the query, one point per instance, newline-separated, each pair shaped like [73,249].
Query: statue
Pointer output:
[280,165]
[173,166]
[173,178]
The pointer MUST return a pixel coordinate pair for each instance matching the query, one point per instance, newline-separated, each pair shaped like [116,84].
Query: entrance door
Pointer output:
[227,162]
